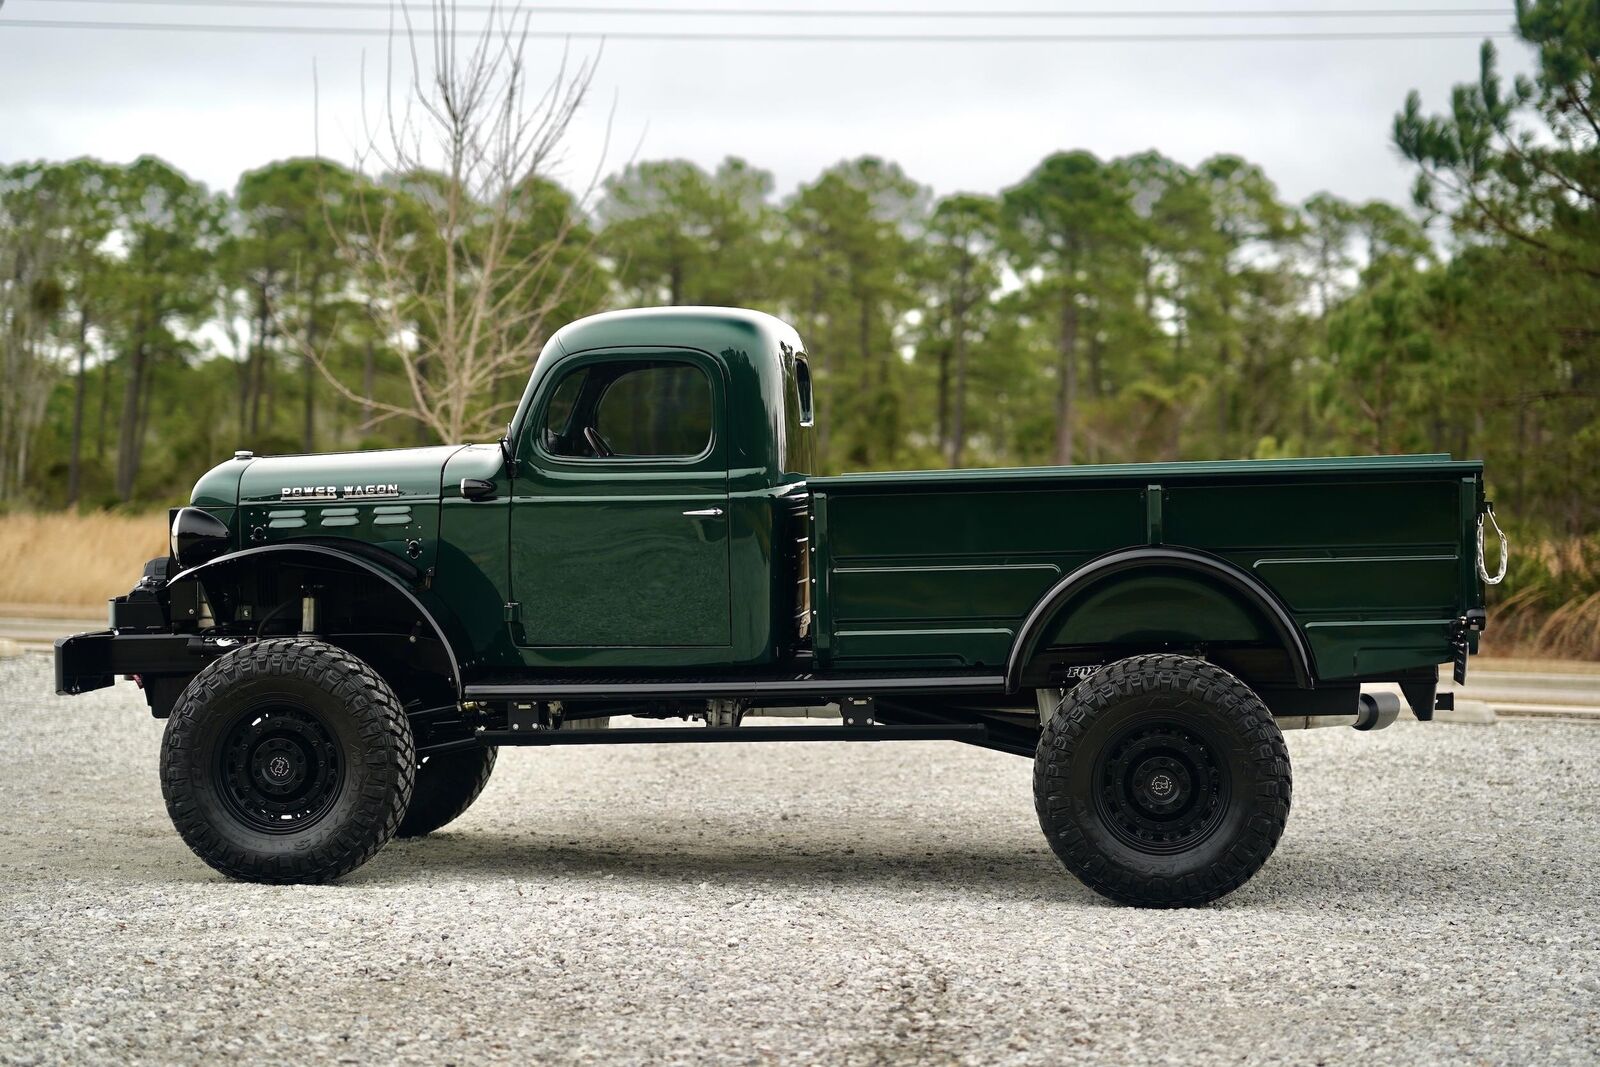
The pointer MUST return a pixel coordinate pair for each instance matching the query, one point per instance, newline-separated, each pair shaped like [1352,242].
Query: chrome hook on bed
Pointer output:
[1505,551]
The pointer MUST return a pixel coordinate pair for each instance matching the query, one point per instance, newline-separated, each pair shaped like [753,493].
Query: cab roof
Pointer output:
[710,329]
[757,350]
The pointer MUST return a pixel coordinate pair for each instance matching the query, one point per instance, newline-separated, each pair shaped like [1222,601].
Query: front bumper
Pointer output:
[89,661]
[83,663]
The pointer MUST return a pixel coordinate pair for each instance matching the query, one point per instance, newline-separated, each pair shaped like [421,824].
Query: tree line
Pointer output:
[1095,310]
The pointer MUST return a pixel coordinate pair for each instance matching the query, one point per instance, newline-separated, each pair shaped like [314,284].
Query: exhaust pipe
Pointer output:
[1374,711]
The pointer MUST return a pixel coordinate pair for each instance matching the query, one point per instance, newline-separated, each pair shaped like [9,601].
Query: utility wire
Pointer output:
[834,13]
[773,38]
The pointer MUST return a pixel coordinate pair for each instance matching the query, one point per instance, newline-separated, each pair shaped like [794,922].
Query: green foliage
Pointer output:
[1518,161]
[1515,314]
[678,235]
[1127,309]
[285,252]
[959,267]
[844,262]
[1071,233]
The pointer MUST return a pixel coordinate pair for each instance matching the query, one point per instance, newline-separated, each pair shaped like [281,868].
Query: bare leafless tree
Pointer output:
[462,261]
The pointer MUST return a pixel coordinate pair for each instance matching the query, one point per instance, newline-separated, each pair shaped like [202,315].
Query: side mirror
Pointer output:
[477,489]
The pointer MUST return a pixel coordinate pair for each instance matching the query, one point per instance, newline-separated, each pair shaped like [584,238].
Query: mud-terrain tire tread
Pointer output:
[1228,697]
[447,785]
[381,723]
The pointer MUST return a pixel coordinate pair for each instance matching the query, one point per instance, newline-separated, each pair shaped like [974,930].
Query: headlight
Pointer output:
[196,537]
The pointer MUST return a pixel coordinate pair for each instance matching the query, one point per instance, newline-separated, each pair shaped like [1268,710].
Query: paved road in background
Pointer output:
[1512,688]
[1433,900]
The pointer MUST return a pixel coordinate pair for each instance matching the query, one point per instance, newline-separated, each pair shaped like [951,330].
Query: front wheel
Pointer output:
[288,760]
[1162,781]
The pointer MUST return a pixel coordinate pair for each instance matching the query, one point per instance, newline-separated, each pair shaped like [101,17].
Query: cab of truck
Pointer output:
[651,492]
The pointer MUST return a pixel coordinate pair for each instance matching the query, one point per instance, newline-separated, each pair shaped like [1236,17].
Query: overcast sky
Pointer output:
[969,116]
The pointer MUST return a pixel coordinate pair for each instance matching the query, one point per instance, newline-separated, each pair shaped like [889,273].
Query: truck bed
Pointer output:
[1372,556]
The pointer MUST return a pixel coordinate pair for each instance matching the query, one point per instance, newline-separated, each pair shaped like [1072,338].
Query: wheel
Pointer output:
[446,787]
[1162,781]
[288,760]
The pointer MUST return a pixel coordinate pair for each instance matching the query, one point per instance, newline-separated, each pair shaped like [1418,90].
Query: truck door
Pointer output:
[619,518]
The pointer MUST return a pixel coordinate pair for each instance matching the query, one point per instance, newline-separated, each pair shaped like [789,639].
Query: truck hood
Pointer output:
[394,474]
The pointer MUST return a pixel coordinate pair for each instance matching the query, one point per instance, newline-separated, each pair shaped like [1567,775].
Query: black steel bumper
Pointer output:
[86,662]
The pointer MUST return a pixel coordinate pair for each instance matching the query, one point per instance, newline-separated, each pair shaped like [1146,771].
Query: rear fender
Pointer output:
[1158,597]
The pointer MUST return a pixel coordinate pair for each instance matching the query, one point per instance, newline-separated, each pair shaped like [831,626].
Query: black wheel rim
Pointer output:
[1160,787]
[279,768]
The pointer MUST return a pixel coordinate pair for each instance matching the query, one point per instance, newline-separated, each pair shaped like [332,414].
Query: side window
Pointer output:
[659,410]
[558,415]
[633,409]
[802,385]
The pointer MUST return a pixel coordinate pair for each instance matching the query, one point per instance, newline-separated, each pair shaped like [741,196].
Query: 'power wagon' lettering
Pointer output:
[335,492]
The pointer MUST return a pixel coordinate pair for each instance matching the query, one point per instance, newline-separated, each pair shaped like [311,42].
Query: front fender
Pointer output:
[446,628]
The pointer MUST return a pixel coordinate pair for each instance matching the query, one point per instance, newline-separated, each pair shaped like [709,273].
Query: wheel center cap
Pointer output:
[278,767]
[1161,785]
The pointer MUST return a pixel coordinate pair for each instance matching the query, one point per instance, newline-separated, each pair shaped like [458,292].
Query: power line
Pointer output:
[767,38]
[836,13]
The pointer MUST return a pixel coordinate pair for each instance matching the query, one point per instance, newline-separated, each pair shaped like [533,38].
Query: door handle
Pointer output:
[704,513]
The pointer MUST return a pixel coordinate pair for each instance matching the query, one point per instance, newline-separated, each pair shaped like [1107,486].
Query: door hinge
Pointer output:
[513,611]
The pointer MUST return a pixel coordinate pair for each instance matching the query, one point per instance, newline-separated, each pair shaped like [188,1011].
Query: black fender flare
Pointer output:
[1246,585]
[349,559]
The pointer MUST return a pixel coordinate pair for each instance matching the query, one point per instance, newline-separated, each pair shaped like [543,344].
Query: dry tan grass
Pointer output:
[1551,604]
[1521,627]
[72,561]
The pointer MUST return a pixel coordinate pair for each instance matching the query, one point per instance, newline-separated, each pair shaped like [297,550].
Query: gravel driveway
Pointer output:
[1434,899]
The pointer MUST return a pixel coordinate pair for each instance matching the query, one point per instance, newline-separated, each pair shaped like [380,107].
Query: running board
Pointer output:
[973,733]
[817,690]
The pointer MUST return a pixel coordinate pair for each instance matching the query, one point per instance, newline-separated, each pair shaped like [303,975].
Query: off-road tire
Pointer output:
[354,744]
[447,785]
[1183,719]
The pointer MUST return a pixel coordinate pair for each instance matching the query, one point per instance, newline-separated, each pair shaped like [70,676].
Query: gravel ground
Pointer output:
[1432,901]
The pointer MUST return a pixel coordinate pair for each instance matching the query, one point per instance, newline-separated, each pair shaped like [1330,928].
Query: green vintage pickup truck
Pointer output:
[341,643]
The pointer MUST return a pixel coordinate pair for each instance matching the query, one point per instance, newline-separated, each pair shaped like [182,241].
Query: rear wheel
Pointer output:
[288,760]
[1162,781]
[447,785]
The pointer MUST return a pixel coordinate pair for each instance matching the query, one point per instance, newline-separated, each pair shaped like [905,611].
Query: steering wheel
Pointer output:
[601,448]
